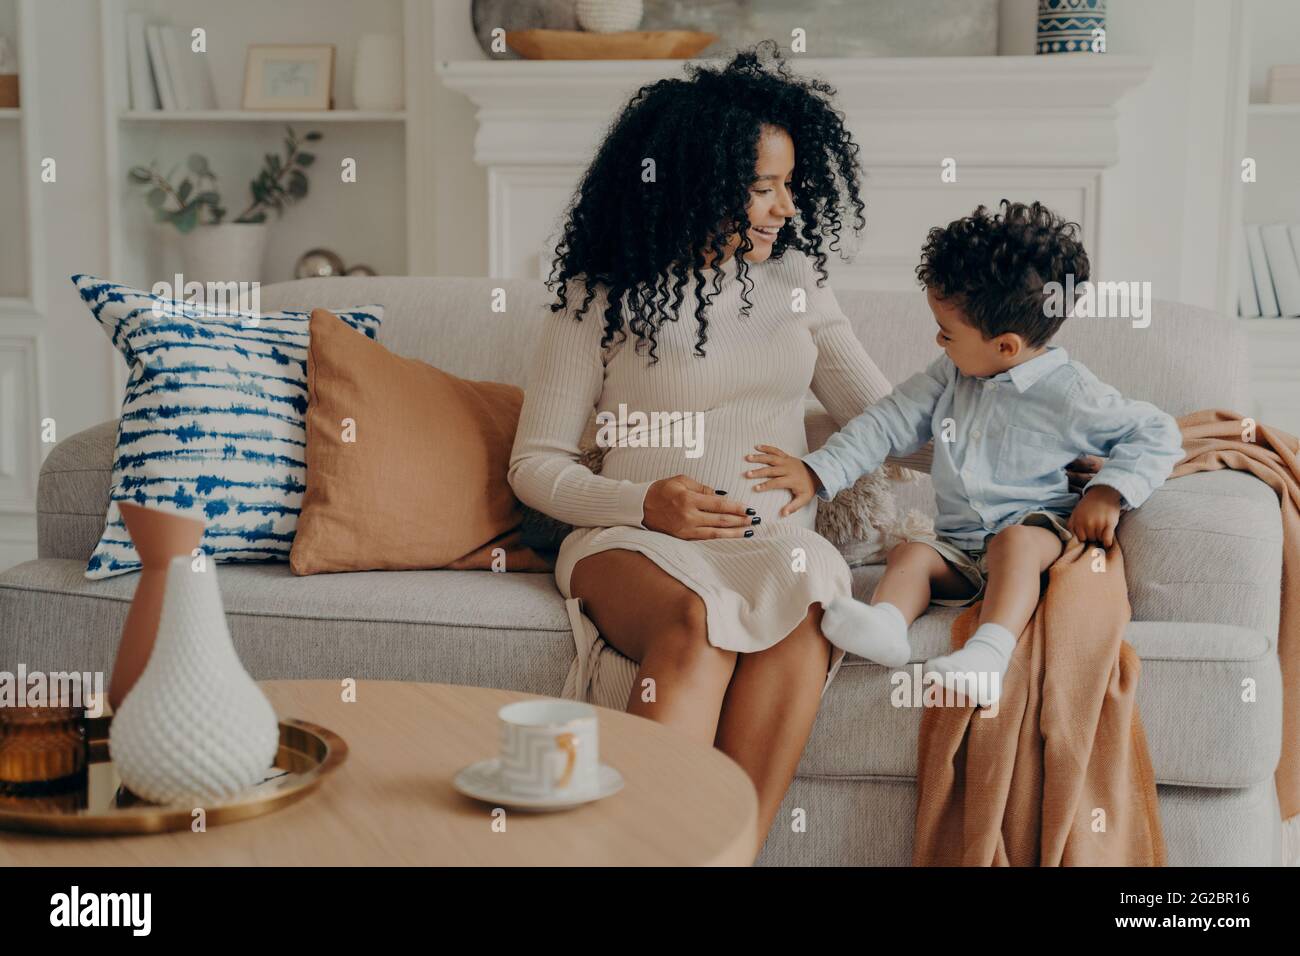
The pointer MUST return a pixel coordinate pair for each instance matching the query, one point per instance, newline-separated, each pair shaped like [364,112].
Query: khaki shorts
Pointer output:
[973,565]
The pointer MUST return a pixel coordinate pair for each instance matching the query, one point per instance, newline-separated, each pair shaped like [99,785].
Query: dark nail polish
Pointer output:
[756,520]
[749,533]
[718,491]
[750,511]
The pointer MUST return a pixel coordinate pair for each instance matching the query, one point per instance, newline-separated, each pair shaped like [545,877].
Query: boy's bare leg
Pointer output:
[1016,559]
[915,575]
[878,631]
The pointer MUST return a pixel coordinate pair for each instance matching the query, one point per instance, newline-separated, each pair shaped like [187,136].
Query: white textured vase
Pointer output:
[608,16]
[195,727]
[229,252]
[377,72]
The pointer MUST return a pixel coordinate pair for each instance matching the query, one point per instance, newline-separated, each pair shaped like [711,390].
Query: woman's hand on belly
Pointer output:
[687,509]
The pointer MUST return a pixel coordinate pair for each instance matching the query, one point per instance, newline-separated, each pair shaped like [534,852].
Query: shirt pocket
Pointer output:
[1032,458]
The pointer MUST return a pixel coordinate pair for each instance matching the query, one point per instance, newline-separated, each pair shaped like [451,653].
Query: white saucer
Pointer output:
[482,782]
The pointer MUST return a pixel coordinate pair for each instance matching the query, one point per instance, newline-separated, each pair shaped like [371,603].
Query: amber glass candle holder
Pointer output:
[42,750]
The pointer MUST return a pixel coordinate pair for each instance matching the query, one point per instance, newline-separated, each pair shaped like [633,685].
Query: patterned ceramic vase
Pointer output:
[609,16]
[158,536]
[1071,26]
[195,728]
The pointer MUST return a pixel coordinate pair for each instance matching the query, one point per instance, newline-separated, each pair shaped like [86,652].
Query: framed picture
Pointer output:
[288,77]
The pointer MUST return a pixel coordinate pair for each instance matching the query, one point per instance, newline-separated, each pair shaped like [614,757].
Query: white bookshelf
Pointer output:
[261,116]
[23,401]
[1273,110]
[364,222]
[20,288]
[1271,137]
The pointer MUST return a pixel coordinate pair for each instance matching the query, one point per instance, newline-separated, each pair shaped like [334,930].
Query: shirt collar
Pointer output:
[1024,375]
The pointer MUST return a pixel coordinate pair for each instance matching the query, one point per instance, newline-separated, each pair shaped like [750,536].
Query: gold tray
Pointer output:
[101,805]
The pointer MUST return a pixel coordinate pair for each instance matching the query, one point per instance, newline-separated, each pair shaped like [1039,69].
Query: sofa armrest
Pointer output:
[1208,548]
[73,491]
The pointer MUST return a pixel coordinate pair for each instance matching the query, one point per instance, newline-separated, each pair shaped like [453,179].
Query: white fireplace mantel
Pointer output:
[1017,126]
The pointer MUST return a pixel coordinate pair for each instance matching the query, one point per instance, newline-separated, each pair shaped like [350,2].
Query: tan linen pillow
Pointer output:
[406,464]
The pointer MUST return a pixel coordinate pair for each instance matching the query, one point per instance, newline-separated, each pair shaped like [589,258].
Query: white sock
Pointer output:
[877,632]
[987,655]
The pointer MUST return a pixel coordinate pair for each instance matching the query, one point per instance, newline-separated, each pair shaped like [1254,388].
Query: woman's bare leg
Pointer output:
[651,617]
[769,711]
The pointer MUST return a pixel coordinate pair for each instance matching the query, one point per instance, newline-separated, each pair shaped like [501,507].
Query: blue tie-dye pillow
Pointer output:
[213,421]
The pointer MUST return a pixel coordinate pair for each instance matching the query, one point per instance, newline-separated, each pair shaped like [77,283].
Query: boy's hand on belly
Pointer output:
[784,471]
[1096,515]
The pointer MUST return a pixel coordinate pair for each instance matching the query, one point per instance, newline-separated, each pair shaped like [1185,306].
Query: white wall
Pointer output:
[1274,38]
[460,184]
[70,128]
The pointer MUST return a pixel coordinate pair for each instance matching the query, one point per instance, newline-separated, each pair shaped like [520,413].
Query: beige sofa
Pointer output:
[1203,558]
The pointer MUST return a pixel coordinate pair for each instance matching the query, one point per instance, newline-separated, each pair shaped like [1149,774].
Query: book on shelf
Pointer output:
[191,78]
[1259,270]
[1283,267]
[158,64]
[144,93]
[172,55]
[1293,233]
[165,73]
[1247,298]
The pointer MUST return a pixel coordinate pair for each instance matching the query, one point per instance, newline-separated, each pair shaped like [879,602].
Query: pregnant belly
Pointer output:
[719,462]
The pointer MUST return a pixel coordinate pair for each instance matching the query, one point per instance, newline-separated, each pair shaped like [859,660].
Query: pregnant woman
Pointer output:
[681,554]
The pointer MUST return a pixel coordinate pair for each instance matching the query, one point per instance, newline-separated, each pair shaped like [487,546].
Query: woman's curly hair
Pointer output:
[994,267]
[633,233]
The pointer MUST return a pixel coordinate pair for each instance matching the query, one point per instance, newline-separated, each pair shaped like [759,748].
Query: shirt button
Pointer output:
[975,433]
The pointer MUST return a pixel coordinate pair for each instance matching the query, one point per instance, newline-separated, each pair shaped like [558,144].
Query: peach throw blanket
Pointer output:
[1061,776]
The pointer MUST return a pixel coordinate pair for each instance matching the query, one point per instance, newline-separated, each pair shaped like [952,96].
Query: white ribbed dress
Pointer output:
[750,386]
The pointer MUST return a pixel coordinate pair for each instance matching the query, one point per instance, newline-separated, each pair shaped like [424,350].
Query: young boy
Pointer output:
[1007,412]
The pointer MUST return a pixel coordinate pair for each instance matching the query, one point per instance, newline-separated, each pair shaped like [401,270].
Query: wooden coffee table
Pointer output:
[392,802]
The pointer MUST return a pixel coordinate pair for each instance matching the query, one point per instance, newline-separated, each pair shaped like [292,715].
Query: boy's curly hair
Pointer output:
[995,265]
[634,235]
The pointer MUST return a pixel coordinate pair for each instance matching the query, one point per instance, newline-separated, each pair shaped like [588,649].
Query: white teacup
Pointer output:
[549,748]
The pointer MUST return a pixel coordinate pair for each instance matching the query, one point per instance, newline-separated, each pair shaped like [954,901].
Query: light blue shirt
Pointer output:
[1001,443]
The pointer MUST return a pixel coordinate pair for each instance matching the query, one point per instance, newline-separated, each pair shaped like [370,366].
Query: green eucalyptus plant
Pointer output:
[196,201]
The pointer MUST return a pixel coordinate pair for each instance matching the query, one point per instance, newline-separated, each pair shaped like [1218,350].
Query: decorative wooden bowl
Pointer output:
[628,45]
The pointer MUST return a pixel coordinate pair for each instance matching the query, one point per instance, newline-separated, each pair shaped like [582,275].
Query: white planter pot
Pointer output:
[377,72]
[230,252]
[609,16]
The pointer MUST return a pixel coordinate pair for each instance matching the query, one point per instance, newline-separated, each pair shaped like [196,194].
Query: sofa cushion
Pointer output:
[1199,730]
[457,627]
[511,631]
[1206,547]
[73,493]
[1188,358]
